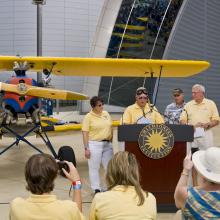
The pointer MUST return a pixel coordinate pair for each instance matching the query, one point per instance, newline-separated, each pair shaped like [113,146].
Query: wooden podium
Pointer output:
[159,176]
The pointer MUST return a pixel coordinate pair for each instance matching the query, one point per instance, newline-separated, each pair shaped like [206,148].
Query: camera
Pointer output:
[62,164]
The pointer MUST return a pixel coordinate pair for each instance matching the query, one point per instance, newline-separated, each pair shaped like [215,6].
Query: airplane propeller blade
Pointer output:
[8,87]
[24,89]
[55,94]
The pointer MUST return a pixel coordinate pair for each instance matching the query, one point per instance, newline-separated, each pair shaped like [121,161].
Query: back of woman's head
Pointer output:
[123,170]
[40,173]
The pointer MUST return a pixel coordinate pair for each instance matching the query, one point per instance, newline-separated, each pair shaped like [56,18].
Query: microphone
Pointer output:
[122,118]
[153,109]
[187,116]
[143,119]
[122,122]
[151,106]
[144,114]
[168,119]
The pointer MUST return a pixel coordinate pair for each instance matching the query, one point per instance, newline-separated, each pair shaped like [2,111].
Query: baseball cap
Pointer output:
[177,91]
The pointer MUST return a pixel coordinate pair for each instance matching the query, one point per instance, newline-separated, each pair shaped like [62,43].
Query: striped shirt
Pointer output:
[202,205]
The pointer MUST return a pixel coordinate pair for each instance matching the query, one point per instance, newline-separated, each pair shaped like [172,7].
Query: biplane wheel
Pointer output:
[66,153]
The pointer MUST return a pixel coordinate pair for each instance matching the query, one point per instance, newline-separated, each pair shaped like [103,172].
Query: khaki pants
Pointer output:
[203,143]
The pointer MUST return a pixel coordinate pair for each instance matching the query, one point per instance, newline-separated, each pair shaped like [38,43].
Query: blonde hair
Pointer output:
[123,170]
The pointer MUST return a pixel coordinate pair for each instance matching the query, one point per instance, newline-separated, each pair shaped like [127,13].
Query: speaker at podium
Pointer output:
[160,150]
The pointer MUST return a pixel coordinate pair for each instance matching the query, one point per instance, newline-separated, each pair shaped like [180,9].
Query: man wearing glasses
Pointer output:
[173,110]
[141,112]
[203,114]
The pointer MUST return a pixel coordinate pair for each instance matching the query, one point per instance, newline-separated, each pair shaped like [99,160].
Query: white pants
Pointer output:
[100,152]
[202,143]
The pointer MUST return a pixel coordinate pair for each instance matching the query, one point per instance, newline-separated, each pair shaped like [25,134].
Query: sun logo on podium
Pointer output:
[156,141]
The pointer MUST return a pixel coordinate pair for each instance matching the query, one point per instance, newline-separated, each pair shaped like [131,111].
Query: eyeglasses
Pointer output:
[142,97]
[176,95]
[143,91]
[100,105]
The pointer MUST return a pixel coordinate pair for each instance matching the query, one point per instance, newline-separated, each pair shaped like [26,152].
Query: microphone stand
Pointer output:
[143,113]
[122,121]
[187,116]
[168,119]
[153,109]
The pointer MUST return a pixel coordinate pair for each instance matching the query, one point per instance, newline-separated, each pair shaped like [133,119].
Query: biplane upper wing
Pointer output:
[24,89]
[69,66]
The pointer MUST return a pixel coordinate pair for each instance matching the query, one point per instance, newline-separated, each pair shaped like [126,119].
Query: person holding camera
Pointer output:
[97,139]
[40,173]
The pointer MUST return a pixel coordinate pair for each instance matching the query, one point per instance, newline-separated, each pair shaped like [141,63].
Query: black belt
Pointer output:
[105,140]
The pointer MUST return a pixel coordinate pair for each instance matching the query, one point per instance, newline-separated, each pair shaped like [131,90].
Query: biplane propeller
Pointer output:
[23,89]
[20,100]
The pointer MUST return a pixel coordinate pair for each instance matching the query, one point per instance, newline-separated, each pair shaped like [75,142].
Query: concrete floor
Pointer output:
[12,183]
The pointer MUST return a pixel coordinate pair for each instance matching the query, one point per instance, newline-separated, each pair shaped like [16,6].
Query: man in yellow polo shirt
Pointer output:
[141,112]
[203,114]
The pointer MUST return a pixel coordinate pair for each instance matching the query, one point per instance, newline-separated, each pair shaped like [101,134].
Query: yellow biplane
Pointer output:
[20,115]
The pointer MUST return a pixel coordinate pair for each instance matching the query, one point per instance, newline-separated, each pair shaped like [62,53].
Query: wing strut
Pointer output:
[157,86]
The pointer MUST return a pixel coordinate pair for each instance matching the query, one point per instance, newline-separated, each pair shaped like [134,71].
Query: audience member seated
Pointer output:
[124,199]
[200,202]
[40,173]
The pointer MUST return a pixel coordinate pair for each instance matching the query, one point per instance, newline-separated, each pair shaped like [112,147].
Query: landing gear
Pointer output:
[64,152]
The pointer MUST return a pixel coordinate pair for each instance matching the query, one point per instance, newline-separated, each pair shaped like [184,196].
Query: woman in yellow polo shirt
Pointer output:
[125,199]
[40,173]
[97,140]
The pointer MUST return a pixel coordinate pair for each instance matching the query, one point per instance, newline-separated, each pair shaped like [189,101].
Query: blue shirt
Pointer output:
[202,205]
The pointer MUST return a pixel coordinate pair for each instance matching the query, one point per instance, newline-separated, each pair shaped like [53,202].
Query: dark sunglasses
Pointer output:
[100,104]
[139,92]
[176,95]
[142,97]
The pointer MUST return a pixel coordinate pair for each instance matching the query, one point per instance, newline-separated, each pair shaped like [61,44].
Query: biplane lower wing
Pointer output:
[27,90]
[69,66]
[53,124]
